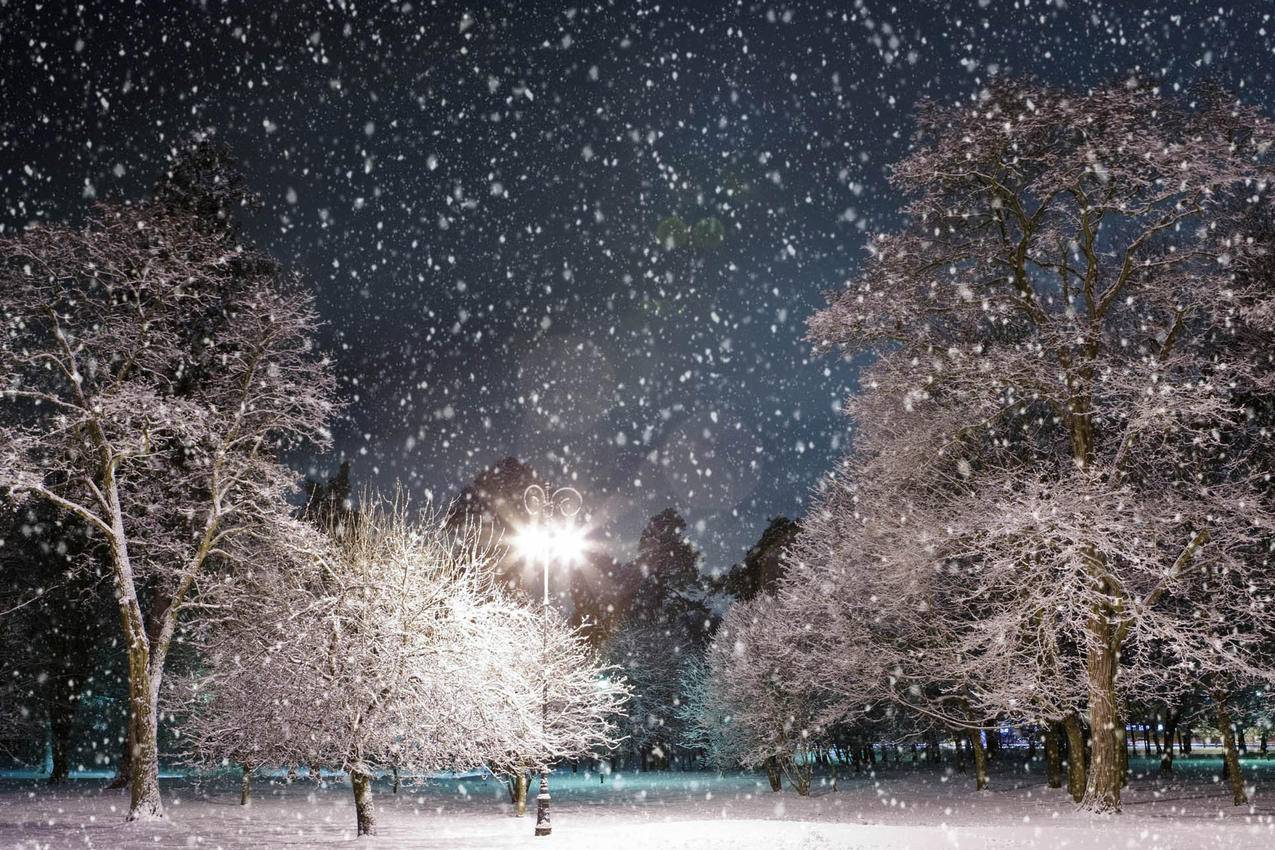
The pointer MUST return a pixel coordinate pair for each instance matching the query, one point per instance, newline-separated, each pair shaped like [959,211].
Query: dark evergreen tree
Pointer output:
[668,622]
[495,499]
[763,564]
[670,592]
[56,626]
[602,591]
[328,502]
[204,180]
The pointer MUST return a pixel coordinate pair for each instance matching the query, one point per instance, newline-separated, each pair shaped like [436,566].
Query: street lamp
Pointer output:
[551,535]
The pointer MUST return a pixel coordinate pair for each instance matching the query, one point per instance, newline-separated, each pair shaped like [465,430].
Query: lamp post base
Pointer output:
[542,806]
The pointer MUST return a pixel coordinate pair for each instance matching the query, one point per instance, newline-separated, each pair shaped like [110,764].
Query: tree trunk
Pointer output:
[1053,756]
[364,810]
[61,716]
[960,753]
[798,772]
[980,760]
[124,767]
[145,802]
[147,650]
[245,785]
[519,787]
[773,775]
[1230,756]
[1170,735]
[1102,791]
[396,779]
[1075,757]
[1122,750]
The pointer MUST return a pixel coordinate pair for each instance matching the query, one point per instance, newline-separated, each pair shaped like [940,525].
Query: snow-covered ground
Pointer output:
[900,808]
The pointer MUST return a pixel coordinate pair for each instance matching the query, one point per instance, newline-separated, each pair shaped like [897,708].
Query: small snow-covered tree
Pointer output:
[241,703]
[380,655]
[560,702]
[706,720]
[650,657]
[772,718]
[1058,416]
[152,364]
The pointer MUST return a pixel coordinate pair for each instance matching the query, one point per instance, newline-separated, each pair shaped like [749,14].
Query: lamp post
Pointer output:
[551,535]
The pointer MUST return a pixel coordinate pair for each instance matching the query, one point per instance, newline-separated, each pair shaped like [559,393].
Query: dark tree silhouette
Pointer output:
[763,564]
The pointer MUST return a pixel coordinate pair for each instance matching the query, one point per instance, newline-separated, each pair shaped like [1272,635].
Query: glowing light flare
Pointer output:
[561,542]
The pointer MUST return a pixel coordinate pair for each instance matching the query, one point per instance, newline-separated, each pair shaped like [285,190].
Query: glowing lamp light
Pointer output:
[554,542]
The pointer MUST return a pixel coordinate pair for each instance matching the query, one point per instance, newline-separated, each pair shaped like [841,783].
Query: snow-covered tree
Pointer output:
[758,712]
[651,657]
[383,649]
[366,641]
[152,365]
[708,723]
[240,703]
[1055,424]
[563,703]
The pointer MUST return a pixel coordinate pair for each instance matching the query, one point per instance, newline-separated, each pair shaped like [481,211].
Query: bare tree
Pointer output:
[153,366]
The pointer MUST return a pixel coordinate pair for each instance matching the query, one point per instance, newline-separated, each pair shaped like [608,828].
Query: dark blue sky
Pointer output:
[475,191]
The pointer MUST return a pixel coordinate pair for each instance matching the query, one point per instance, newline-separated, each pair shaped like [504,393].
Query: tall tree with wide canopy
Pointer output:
[1055,332]
[153,365]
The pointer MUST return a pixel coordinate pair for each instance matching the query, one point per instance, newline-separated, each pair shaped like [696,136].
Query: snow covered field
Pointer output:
[901,808]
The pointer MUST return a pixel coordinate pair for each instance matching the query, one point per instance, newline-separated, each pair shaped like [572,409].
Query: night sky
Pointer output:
[586,235]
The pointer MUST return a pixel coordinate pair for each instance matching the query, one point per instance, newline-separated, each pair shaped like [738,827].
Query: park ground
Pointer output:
[900,807]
